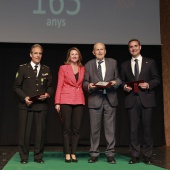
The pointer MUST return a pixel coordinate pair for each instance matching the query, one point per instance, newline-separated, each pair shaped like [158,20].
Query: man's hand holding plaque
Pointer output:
[133,85]
[36,97]
[103,84]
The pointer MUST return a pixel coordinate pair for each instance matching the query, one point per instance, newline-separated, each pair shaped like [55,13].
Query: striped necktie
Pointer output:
[100,70]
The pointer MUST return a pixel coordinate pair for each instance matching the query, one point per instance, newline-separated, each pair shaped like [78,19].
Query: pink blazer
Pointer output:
[69,91]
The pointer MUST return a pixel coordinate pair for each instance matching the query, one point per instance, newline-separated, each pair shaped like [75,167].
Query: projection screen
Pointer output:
[79,21]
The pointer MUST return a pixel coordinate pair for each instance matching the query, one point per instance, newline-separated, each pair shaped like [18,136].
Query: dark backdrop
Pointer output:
[15,54]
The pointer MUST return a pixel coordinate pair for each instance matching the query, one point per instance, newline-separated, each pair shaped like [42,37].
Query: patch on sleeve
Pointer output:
[17,74]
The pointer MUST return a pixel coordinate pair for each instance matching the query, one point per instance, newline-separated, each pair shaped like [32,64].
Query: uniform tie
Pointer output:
[35,70]
[136,69]
[100,70]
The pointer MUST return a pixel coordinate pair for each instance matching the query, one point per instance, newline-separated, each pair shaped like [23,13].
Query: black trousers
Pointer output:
[71,121]
[139,115]
[26,119]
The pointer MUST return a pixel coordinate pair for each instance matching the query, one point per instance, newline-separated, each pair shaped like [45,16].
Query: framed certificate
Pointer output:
[102,84]
[35,98]
[134,85]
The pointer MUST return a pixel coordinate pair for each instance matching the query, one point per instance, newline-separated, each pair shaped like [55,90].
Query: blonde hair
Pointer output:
[68,56]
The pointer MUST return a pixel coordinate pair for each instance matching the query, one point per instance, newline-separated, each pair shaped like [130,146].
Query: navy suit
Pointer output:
[141,104]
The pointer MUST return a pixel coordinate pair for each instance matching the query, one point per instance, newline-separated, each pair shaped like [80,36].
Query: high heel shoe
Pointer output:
[67,158]
[74,159]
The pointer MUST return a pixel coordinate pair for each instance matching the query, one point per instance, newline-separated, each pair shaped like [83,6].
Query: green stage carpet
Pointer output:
[55,161]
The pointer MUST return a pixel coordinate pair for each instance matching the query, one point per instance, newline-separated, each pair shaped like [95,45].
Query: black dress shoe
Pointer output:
[148,161]
[111,160]
[24,161]
[40,161]
[74,160]
[93,159]
[68,160]
[134,160]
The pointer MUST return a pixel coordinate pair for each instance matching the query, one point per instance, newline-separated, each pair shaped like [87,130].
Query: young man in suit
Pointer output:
[140,104]
[102,102]
[33,79]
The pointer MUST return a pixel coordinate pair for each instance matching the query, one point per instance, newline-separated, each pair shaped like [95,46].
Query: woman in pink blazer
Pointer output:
[69,101]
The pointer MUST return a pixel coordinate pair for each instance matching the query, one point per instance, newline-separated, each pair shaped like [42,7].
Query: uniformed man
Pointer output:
[33,79]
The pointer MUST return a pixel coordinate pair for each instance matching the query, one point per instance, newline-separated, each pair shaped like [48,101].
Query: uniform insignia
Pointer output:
[42,80]
[23,64]
[17,74]
[44,74]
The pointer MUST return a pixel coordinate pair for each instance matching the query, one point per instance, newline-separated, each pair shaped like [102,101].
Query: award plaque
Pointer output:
[134,85]
[102,84]
[35,98]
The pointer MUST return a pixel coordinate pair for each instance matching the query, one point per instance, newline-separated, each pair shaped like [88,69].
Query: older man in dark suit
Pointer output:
[33,79]
[102,102]
[140,103]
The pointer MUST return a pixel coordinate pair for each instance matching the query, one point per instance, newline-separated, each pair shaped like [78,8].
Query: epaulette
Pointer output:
[45,66]
[23,64]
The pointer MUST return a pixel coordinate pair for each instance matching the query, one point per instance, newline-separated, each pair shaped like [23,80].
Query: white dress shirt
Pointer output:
[33,66]
[103,67]
[139,64]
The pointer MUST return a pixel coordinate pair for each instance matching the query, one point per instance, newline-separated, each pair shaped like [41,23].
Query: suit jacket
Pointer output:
[69,91]
[27,84]
[91,76]
[149,74]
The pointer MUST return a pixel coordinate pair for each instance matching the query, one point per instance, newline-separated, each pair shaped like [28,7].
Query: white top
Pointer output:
[139,64]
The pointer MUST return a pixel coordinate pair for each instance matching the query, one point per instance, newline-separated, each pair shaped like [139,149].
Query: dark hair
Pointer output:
[68,56]
[134,40]
[36,45]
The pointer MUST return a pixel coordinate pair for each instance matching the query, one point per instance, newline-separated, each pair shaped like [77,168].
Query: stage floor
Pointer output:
[161,155]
